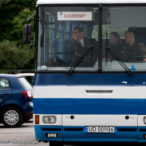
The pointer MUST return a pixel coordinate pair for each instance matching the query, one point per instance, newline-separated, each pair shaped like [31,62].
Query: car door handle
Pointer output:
[99,91]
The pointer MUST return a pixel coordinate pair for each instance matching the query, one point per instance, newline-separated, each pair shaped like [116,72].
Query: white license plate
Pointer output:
[101,129]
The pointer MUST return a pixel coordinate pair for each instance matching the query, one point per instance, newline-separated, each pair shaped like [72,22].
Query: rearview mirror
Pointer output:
[27,33]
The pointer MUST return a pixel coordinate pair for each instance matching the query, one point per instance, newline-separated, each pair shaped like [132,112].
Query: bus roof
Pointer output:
[39,2]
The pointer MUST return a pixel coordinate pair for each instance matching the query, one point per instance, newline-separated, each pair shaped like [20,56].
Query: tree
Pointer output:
[11,57]
[18,24]
[8,10]
[13,53]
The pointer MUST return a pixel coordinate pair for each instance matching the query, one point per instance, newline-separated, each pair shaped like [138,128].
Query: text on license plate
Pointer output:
[101,129]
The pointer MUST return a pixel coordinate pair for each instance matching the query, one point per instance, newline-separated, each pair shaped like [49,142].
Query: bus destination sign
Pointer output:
[74,16]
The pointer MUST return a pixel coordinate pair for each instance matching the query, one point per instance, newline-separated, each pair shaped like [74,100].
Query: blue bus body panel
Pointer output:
[104,79]
[90,106]
[84,136]
[135,135]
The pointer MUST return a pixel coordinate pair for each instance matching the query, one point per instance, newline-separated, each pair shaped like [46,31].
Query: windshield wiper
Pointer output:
[115,57]
[80,59]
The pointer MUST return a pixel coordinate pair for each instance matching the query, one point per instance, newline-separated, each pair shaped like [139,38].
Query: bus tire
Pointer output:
[56,143]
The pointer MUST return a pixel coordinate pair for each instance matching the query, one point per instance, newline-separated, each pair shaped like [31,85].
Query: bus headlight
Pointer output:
[49,119]
[144,120]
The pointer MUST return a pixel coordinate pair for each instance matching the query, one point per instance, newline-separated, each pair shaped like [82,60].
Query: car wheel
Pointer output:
[12,117]
[56,143]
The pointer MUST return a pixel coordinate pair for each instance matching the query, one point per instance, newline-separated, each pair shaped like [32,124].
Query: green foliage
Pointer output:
[14,54]
[18,23]
[3,2]
[9,9]
[11,57]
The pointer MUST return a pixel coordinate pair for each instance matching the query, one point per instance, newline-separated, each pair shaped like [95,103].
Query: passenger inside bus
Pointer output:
[133,50]
[114,39]
[115,44]
[129,49]
[78,45]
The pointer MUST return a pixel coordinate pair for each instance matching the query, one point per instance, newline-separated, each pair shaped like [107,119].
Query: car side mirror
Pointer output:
[27,33]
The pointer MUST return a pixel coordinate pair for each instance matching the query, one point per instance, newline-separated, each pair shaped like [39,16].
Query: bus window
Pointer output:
[124,35]
[64,35]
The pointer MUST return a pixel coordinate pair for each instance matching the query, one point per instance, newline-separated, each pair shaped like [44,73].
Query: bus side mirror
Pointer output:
[27,33]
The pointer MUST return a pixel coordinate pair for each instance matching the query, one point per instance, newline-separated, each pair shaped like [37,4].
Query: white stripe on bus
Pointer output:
[104,92]
[96,120]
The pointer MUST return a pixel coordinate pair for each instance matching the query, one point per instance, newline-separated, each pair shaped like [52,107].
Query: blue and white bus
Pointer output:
[90,82]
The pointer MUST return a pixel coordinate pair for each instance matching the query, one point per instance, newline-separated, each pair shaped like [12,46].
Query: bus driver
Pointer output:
[78,45]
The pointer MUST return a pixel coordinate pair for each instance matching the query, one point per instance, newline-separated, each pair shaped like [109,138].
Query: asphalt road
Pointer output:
[24,136]
[21,136]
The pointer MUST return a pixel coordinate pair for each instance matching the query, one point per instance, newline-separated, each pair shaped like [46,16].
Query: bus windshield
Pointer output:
[66,32]
[124,34]
[64,35]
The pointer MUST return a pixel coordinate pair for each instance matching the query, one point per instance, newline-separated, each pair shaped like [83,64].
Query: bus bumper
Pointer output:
[71,134]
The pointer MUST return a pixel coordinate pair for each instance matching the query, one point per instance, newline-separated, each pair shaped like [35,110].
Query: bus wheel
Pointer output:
[56,143]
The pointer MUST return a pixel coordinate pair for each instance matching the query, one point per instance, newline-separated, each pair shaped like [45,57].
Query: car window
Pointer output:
[4,84]
[30,79]
[25,83]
